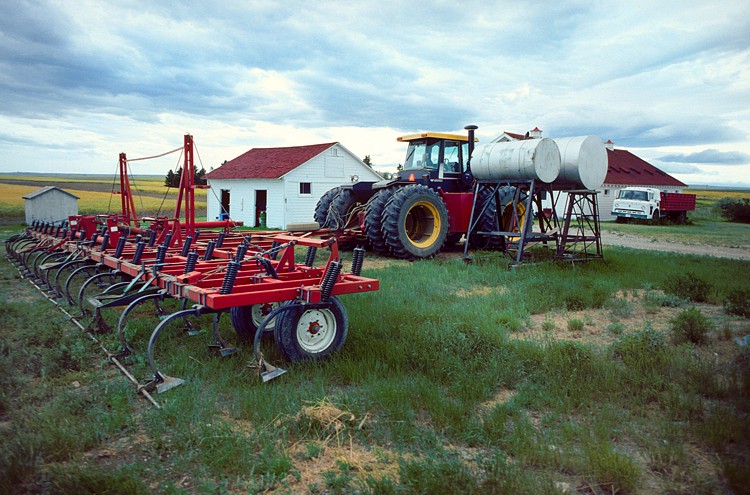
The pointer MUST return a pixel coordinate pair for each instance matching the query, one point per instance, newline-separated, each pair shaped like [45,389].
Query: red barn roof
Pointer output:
[626,168]
[267,163]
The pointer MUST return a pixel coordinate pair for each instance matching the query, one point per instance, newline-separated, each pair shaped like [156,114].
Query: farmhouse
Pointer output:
[50,204]
[282,185]
[624,169]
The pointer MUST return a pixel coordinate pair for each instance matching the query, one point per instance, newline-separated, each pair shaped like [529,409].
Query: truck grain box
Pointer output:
[651,204]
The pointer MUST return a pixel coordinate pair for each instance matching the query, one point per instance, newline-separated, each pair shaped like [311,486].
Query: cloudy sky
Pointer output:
[82,81]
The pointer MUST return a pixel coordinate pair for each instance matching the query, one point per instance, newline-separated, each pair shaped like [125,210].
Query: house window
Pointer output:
[305,188]
[334,152]
[606,192]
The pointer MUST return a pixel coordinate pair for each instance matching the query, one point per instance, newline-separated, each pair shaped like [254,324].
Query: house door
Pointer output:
[224,213]
[260,206]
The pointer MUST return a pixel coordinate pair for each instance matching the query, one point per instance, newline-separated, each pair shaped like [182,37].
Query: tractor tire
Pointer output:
[312,334]
[415,222]
[489,220]
[374,220]
[247,319]
[324,205]
[340,209]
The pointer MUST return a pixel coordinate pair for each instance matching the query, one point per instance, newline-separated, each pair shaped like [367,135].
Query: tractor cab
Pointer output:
[433,156]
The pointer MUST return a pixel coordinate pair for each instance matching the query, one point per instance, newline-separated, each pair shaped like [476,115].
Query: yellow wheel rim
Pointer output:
[422,224]
[509,223]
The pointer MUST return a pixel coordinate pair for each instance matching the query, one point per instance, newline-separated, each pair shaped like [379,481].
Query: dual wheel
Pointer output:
[301,334]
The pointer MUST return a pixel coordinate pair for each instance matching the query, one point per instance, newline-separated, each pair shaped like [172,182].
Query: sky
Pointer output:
[81,82]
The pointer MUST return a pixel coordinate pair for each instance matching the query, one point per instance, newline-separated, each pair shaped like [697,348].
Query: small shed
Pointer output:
[50,204]
[282,185]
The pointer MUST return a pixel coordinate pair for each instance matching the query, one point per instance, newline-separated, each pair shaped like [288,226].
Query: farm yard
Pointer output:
[630,375]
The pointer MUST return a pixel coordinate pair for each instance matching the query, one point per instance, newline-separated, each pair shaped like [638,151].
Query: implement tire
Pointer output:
[312,334]
[415,222]
[247,319]
[324,205]
[374,220]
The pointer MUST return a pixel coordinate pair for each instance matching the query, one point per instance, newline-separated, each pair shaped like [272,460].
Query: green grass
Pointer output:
[417,382]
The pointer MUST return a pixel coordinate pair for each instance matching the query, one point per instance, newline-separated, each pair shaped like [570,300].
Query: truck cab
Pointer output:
[637,202]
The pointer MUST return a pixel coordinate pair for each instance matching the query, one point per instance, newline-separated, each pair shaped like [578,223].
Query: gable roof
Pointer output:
[45,190]
[626,168]
[267,163]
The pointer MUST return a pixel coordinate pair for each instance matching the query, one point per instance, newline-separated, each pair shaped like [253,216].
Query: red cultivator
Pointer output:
[98,262]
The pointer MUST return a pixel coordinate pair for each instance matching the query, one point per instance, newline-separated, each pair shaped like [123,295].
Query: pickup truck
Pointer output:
[652,204]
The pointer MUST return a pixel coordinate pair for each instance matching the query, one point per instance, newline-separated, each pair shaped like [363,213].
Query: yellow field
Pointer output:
[12,203]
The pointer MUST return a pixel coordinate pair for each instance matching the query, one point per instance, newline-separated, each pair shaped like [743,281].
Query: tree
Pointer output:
[173,179]
[169,180]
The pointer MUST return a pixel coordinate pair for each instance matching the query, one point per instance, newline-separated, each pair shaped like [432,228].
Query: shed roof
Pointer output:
[267,163]
[45,190]
[626,168]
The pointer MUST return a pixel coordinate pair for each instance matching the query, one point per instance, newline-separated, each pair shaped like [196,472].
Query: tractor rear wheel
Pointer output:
[247,319]
[415,222]
[324,205]
[312,334]
[374,220]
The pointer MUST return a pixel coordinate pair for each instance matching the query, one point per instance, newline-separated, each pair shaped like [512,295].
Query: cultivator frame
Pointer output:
[209,271]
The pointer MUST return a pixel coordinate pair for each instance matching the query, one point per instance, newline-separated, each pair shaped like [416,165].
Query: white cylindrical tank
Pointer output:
[584,163]
[528,159]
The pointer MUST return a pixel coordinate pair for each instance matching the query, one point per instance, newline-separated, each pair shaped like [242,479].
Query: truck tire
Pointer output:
[312,334]
[415,222]
[246,319]
[621,220]
[655,218]
[374,220]
[323,206]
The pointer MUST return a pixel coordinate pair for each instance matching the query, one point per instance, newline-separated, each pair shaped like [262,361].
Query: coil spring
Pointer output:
[329,280]
[186,246]
[126,231]
[358,259]
[152,238]
[121,244]
[46,227]
[161,253]
[105,243]
[268,267]
[220,239]
[197,235]
[33,224]
[64,234]
[312,251]
[272,253]
[241,251]
[138,238]
[192,260]
[168,239]
[73,233]
[209,249]
[57,231]
[138,252]
[230,277]
[94,238]
[104,230]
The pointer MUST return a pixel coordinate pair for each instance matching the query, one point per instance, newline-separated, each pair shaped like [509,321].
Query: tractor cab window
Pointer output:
[422,155]
[453,157]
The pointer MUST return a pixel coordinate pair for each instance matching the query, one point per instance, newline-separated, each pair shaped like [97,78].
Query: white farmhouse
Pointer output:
[284,183]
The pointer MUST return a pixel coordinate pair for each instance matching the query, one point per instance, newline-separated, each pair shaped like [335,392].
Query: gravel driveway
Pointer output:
[638,242]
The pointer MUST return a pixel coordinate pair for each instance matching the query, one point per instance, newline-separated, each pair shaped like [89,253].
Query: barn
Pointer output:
[50,204]
[284,184]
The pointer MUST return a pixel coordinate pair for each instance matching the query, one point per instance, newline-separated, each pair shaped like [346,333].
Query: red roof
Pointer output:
[626,168]
[518,137]
[267,163]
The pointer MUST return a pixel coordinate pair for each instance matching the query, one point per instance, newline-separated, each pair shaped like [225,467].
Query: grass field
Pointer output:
[455,378]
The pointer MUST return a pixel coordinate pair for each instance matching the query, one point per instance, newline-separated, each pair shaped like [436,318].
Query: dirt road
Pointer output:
[638,242]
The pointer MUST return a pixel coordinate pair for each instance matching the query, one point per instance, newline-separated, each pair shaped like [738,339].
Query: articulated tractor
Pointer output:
[442,193]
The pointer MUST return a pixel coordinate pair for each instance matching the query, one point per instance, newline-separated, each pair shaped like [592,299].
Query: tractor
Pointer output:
[427,206]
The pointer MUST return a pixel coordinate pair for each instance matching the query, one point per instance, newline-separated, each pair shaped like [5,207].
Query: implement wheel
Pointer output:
[312,334]
[374,220]
[415,222]
[247,319]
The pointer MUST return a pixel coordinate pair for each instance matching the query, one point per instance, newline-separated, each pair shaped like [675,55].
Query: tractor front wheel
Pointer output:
[312,334]
[415,222]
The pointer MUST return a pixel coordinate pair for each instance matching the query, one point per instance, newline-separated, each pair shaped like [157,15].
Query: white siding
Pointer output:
[285,204]
[52,206]
[606,201]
